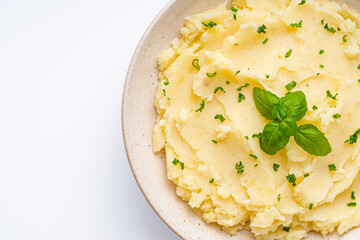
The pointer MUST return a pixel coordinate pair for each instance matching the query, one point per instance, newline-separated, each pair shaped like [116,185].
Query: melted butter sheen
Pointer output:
[250,200]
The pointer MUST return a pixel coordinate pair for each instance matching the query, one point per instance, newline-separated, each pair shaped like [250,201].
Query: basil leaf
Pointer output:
[264,102]
[296,105]
[312,140]
[272,139]
[279,112]
[288,127]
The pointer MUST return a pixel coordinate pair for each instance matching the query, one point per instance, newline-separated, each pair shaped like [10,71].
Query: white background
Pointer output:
[63,168]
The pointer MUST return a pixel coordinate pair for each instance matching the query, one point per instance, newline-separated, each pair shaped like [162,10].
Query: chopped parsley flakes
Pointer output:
[314,107]
[278,197]
[306,175]
[227,82]
[239,167]
[291,179]
[311,206]
[176,162]
[336,116]
[195,63]
[321,51]
[351,204]
[253,156]
[166,83]
[353,195]
[164,92]
[322,66]
[265,41]
[291,85]
[210,24]
[240,88]
[353,138]
[332,167]
[286,229]
[297,25]
[358,66]
[276,167]
[211,181]
[214,141]
[237,72]
[288,54]
[211,74]
[302,2]
[219,89]
[329,95]
[241,97]
[344,38]
[329,29]
[202,106]
[220,117]
[261,29]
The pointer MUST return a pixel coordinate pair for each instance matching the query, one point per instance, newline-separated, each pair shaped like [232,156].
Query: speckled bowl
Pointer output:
[138,120]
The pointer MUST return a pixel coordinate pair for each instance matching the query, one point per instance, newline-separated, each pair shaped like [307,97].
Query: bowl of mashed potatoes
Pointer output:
[241,119]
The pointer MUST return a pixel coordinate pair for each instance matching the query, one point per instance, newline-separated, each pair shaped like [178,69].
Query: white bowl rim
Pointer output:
[127,81]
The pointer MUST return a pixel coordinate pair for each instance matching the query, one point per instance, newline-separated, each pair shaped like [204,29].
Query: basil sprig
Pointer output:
[284,113]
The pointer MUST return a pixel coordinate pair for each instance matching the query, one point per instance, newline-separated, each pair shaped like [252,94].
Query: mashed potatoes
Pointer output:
[207,116]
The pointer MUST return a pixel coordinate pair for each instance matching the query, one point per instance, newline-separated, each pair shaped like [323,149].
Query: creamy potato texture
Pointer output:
[216,163]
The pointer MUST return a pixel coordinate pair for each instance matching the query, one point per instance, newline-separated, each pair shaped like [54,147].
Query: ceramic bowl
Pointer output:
[138,120]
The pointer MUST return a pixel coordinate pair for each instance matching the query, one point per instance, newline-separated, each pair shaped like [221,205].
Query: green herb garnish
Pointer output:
[261,29]
[211,181]
[284,113]
[358,66]
[314,107]
[322,66]
[239,167]
[322,21]
[220,117]
[236,44]
[302,2]
[166,83]
[291,179]
[202,106]
[241,97]
[246,137]
[211,74]
[265,41]
[329,95]
[210,24]
[332,167]
[351,204]
[227,82]
[237,72]
[311,206]
[235,10]
[177,161]
[195,63]
[291,85]
[288,54]
[353,195]
[219,89]
[297,25]
[257,135]
[240,88]
[276,167]
[306,175]
[253,156]
[344,38]
[353,138]
[164,92]
[214,141]
[321,51]
[278,197]
[286,229]
[329,29]
[267,76]
[336,116]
